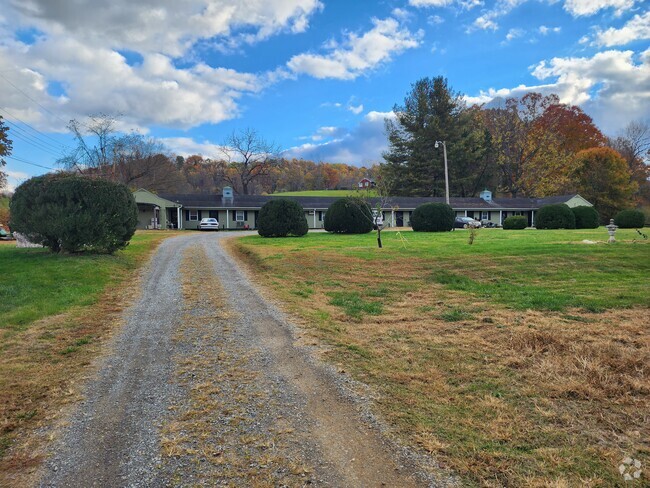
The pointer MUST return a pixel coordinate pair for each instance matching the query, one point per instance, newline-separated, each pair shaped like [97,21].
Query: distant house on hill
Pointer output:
[185,211]
[366,183]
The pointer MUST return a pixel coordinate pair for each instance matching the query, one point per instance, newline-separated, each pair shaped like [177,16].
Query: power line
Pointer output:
[33,140]
[30,98]
[33,128]
[29,162]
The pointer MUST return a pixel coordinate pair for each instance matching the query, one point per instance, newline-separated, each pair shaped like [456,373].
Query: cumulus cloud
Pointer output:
[167,26]
[356,109]
[361,146]
[358,54]
[579,8]
[635,29]
[544,30]
[187,146]
[609,86]
[430,3]
[514,34]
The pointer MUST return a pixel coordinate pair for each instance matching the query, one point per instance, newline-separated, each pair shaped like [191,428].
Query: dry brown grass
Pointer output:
[41,369]
[503,397]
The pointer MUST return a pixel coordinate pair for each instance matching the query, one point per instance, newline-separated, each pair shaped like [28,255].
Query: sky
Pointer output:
[316,77]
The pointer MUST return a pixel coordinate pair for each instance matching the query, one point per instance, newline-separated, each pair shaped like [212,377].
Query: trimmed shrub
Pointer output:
[349,216]
[557,216]
[515,222]
[282,218]
[630,219]
[433,217]
[586,217]
[74,214]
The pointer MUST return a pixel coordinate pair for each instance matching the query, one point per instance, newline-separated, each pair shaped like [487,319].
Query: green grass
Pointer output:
[328,193]
[354,305]
[533,269]
[35,283]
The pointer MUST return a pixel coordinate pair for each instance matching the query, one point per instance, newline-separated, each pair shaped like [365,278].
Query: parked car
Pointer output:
[209,224]
[5,235]
[466,223]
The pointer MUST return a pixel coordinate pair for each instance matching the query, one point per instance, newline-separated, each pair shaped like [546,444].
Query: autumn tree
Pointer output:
[634,145]
[433,111]
[5,150]
[602,176]
[249,156]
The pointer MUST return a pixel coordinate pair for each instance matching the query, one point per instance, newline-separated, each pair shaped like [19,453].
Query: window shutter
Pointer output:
[245,214]
[187,215]
[199,214]
[234,215]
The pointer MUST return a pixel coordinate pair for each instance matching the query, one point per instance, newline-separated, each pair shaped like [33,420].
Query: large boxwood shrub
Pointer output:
[557,216]
[630,219]
[433,217]
[515,222]
[349,216]
[282,218]
[586,217]
[74,213]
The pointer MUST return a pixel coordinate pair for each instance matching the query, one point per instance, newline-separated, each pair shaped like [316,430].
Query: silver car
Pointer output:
[209,223]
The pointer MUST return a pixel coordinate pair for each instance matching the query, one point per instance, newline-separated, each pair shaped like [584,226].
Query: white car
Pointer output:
[209,224]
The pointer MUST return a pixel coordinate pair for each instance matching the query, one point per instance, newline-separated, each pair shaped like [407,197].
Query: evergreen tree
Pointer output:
[432,112]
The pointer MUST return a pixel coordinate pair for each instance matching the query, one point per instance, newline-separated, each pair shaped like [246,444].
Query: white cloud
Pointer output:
[14,179]
[435,20]
[579,8]
[356,109]
[635,29]
[484,22]
[514,34]
[360,146]
[543,30]
[401,14]
[358,54]
[609,86]
[187,146]
[167,26]
[430,3]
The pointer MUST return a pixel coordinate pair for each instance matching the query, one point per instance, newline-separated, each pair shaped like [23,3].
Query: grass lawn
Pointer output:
[328,193]
[520,360]
[55,310]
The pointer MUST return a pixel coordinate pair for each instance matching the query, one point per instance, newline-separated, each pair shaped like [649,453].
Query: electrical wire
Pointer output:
[21,160]
[34,129]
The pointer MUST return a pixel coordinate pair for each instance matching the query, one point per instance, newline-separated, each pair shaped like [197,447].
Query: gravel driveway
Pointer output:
[268,407]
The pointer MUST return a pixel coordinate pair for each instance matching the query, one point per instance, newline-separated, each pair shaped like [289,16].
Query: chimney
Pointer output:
[227,197]
[486,195]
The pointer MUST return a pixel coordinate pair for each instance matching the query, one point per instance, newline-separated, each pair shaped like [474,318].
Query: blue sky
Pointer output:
[317,77]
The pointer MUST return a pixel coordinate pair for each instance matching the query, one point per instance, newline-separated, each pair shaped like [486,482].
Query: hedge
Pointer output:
[515,222]
[433,217]
[586,217]
[557,216]
[282,218]
[74,213]
[349,215]
[630,219]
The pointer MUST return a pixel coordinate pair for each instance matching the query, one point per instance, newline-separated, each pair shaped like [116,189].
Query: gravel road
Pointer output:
[259,384]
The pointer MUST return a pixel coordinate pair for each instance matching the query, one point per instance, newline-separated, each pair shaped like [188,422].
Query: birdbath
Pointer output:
[611,230]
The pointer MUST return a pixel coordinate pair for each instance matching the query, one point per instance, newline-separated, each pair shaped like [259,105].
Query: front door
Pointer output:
[399,219]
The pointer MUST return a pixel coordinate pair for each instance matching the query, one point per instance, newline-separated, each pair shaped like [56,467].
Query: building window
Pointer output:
[484,216]
[194,215]
[518,213]
[239,216]
[320,215]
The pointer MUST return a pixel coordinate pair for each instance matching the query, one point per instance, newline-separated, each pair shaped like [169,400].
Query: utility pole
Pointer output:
[444,153]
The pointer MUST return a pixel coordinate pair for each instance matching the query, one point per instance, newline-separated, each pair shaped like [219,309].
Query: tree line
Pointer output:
[533,146]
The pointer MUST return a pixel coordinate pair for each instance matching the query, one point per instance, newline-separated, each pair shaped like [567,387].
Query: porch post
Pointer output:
[314,218]
[500,217]
[392,218]
[465,213]
[227,219]
[532,218]
[180,221]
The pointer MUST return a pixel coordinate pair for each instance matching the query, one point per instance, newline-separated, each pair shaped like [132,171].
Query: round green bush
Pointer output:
[282,218]
[433,217]
[515,222]
[586,217]
[73,213]
[630,219]
[557,216]
[349,216]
